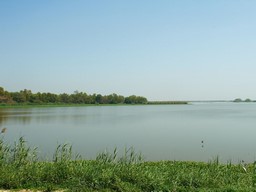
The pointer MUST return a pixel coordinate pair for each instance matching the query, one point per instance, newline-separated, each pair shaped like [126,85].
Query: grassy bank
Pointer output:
[167,102]
[21,169]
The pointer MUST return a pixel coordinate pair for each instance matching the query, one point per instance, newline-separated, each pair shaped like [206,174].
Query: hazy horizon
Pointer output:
[163,50]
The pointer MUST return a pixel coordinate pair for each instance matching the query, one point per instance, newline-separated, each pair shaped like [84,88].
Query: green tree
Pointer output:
[64,98]
[247,100]
[141,100]
[238,100]
[133,99]
[26,96]
[120,99]
[99,99]
[5,96]
[18,97]
[78,97]
[2,91]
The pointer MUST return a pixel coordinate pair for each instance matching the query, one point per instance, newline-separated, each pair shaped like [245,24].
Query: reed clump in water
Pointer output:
[21,169]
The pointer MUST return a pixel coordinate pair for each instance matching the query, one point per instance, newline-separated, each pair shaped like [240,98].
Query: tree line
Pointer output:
[28,97]
[238,100]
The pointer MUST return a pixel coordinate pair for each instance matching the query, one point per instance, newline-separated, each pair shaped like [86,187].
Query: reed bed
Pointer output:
[116,171]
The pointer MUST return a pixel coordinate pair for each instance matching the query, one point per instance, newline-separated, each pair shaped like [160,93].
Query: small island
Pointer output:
[239,100]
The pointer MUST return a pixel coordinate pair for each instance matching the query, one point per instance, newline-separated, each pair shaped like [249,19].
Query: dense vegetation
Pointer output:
[21,169]
[240,100]
[167,102]
[27,97]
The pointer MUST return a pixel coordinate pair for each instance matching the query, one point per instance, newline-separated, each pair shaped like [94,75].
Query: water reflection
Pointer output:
[186,132]
[18,116]
[2,117]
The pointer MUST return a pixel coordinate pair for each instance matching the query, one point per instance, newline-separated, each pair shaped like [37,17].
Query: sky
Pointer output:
[160,49]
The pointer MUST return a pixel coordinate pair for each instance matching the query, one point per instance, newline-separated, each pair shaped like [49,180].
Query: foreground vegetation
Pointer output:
[20,168]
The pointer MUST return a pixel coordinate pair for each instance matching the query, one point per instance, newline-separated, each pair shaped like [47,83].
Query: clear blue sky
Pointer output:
[163,50]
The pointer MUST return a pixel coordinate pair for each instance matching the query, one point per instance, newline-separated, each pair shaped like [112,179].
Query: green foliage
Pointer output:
[247,100]
[27,97]
[1,91]
[20,168]
[128,157]
[133,99]
[167,102]
[5,96]
[240,100]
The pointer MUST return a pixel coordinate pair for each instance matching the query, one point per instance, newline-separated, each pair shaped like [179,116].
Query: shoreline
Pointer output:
[86,105]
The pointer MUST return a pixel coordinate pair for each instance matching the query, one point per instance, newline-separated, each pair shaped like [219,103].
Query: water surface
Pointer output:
[198,131]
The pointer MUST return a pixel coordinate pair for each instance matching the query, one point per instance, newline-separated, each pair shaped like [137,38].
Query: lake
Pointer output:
[198,131]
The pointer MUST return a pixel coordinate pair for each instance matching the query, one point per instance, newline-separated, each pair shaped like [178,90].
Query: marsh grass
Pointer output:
[116,171]
[130,156]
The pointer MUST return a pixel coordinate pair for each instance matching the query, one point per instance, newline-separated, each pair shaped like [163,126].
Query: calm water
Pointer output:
[160,132]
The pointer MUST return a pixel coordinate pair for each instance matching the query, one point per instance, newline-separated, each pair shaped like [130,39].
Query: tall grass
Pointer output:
[116,171]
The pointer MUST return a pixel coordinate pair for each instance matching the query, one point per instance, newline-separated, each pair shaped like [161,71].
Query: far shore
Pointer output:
[28,105]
